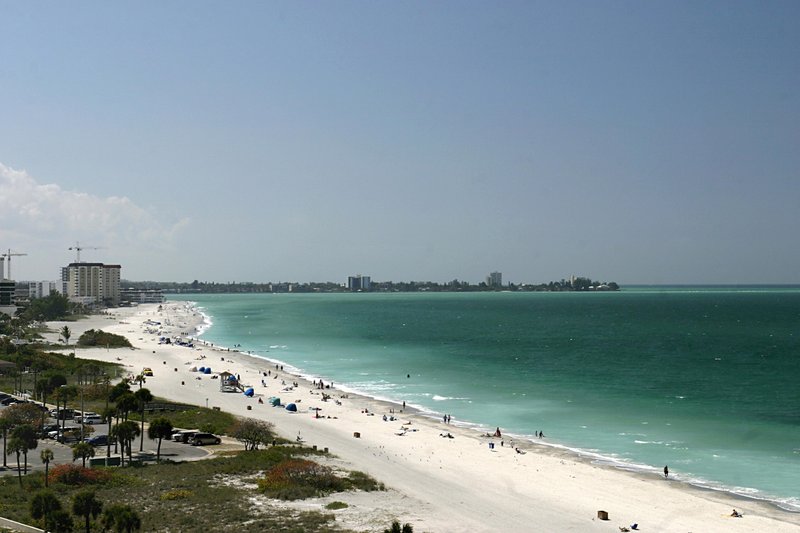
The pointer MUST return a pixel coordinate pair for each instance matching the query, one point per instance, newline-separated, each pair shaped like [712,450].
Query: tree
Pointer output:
[124,433]
[118,390]
[125,404]
[46,456]
[43,504]
[5,425]
[121,518]
[160,428]
[25,434]
[143,396]
[82,450]
[15,446]
[23,413]
[65,334]
[108,415]
[252,433]
[85,504]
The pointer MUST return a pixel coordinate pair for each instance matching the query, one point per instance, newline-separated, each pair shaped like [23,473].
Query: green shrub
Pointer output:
[335,506]
[98,337]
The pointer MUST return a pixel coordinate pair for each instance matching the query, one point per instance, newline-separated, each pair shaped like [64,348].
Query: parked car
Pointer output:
[201,439]
[62,414]
[67,435]
[147,371]
[98,440]
[9,401]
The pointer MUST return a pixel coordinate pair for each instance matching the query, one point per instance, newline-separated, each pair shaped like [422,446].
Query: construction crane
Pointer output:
[8,255]
[78,249]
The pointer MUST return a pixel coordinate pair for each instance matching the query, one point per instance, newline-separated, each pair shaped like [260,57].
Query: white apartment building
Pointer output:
[91,283]
[41,289]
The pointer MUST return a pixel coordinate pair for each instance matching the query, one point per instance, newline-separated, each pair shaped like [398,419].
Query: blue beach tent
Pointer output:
[208,370]
[291,407]
[202,370]
[249,392]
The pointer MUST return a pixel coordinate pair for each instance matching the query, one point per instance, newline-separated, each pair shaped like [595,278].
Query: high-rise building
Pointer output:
[358,283]
[494,279]
[92,283]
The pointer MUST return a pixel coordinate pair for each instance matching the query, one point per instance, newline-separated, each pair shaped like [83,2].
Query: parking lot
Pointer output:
[174,451]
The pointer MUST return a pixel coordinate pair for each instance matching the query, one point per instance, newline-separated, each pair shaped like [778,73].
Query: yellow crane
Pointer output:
[8,255]
[78,249]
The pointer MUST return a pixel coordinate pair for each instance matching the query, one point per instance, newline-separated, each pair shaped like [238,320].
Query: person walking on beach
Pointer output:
[666,472]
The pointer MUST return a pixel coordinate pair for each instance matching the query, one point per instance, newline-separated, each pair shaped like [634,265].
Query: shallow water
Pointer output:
[701,379]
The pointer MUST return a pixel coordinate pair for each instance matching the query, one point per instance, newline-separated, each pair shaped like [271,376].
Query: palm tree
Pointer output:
[143,396]
[125,404]
[46,456]
[395,528]
[85,504]
[26,435]
[159,428]
[43,505]
[108,415]
[121,518]
[5,425]
[124,433]
[65,334]
[82,450]
[16,445]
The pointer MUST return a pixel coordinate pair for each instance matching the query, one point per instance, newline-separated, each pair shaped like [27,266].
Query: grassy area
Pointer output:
[211,495]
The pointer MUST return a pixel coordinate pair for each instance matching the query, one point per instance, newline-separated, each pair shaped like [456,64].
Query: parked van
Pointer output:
[184,436]
[91,418]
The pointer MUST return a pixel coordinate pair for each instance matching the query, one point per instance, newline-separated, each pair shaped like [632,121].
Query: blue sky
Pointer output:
[642,142]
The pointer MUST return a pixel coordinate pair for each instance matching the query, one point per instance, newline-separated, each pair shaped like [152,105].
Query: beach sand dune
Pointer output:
[438,484]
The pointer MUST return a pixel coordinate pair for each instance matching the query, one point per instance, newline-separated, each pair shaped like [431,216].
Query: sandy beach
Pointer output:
[437,483]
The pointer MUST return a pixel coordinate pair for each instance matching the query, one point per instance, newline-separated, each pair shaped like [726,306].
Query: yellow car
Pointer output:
[147,372]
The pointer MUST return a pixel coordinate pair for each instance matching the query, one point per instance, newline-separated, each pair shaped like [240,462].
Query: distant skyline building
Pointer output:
[7,290]
[91,283]
[41,289]
[358,283]
[494,279]
[142,296]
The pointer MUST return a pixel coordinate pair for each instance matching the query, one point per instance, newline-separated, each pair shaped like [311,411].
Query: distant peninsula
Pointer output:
[574,284]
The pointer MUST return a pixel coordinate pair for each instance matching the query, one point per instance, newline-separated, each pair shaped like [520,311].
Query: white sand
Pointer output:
[444,484]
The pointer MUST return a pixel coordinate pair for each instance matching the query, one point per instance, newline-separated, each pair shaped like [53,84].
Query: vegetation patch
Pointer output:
[335,506]
[297,479]
[77,475]
[98,337]
[177,494]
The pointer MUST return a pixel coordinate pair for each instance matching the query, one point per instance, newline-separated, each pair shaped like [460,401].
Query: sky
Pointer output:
[637,142]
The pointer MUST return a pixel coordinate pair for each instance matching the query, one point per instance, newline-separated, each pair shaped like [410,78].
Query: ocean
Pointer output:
[704,380]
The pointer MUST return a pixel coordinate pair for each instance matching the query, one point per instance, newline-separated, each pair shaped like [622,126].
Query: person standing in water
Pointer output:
[666,472]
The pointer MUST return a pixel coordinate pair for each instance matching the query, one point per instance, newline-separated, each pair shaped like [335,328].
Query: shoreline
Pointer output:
[454,481]
[477,430]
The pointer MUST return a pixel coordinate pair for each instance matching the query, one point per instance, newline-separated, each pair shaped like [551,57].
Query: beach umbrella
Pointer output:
[291,407]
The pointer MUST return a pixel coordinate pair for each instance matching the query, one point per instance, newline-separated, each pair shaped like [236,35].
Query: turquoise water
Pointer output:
[704,380]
